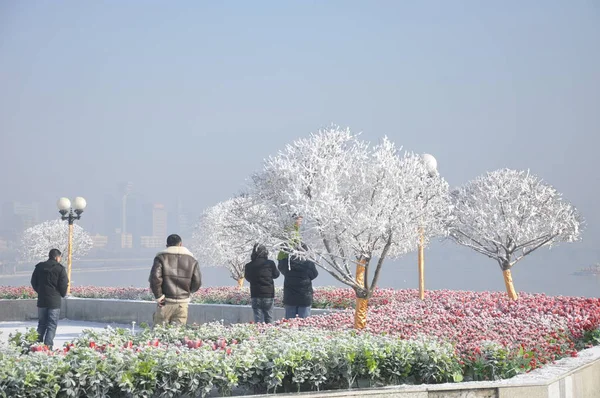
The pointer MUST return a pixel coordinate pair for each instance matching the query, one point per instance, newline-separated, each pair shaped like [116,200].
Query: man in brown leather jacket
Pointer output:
[174,277]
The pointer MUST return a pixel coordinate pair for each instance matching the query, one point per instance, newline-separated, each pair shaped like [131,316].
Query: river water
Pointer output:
[547,272]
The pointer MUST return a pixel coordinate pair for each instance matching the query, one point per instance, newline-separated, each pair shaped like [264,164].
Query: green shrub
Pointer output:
[159,362]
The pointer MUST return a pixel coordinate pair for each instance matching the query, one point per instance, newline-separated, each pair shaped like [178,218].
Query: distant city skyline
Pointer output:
[144,220]
[186,102]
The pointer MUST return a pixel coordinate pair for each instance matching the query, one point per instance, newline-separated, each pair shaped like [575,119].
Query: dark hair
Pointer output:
[54,253]
[173,240]
[259,251]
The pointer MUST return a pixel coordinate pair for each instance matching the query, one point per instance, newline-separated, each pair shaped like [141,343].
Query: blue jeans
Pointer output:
[291,311]
[47,323]
[263,309]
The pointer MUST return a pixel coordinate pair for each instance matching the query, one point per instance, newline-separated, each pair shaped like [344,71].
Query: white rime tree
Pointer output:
[37,241]
[508,214]
[221,239]
[358,204]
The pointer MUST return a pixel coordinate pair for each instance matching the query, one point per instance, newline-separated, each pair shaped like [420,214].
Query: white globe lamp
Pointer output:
[63,204]
[430,164]
[79,204]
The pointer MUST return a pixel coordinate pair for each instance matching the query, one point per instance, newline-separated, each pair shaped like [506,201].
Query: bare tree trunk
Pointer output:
[240,283]
[360,312]
[510,288]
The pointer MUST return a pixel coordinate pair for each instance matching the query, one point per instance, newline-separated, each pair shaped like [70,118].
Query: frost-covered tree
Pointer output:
[37,241]
[221,238]
[359,204]
[508,214]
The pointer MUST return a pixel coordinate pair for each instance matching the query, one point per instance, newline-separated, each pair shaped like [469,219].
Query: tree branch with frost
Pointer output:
[37,241]
[357,202]
[513,211]
[220,239]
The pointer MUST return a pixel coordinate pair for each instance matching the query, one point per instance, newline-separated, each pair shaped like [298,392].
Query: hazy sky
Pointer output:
[186,98]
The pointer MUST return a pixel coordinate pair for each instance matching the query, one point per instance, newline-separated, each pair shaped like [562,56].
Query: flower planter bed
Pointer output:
[195,360]
[213,359]
[450,336]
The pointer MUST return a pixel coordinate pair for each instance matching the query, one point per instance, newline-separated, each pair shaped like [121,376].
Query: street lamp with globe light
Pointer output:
[70,211]
[431,166]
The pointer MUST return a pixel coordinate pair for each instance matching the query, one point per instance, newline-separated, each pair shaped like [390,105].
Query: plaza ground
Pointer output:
[67,329]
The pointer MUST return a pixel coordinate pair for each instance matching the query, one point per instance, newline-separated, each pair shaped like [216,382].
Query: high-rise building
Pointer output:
[99,241]
[112,215]
[159,228]
[152,242]
[125,190]
[126,241]
[159,221]
[182,225]
[17,217]
[129,225]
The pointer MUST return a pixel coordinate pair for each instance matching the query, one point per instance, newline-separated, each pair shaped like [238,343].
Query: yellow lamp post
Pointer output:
[70,212]
[431,165]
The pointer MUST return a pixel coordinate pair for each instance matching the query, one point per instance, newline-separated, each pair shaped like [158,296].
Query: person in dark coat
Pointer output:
[297,286]
[50,282]
[261,272]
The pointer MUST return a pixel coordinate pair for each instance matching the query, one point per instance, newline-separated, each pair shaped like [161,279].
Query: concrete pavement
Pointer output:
[67,330]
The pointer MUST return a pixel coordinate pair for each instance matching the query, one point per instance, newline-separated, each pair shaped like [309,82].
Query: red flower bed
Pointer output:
[541,327]
[536,327]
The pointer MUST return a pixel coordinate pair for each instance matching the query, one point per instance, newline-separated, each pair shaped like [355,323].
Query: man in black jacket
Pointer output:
[297,286]
[260,272]
[50,282]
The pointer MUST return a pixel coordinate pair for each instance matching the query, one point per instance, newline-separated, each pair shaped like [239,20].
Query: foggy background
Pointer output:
[175,104]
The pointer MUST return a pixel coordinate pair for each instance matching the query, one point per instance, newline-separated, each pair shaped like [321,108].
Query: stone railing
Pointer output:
[127,311]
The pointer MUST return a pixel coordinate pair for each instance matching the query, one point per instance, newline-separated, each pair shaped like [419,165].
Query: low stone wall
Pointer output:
[23,310]
[127,311]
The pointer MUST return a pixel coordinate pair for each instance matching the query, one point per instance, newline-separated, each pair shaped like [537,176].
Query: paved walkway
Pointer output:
[67,330]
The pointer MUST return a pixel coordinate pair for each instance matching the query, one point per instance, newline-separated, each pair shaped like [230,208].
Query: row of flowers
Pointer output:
[324,297]
[196,360]
[548,327]
[467,319]
[482,336]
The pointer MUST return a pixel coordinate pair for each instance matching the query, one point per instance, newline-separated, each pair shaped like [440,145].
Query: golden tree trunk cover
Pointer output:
[510,288]
[360,313]
[360,272]
[421,262]
[240,283]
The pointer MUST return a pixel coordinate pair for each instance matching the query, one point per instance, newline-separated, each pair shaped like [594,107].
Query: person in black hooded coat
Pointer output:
[297,286]
[261,272]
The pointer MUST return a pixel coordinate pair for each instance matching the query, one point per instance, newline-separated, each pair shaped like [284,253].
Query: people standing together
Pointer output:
[297,286]
[175,276]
